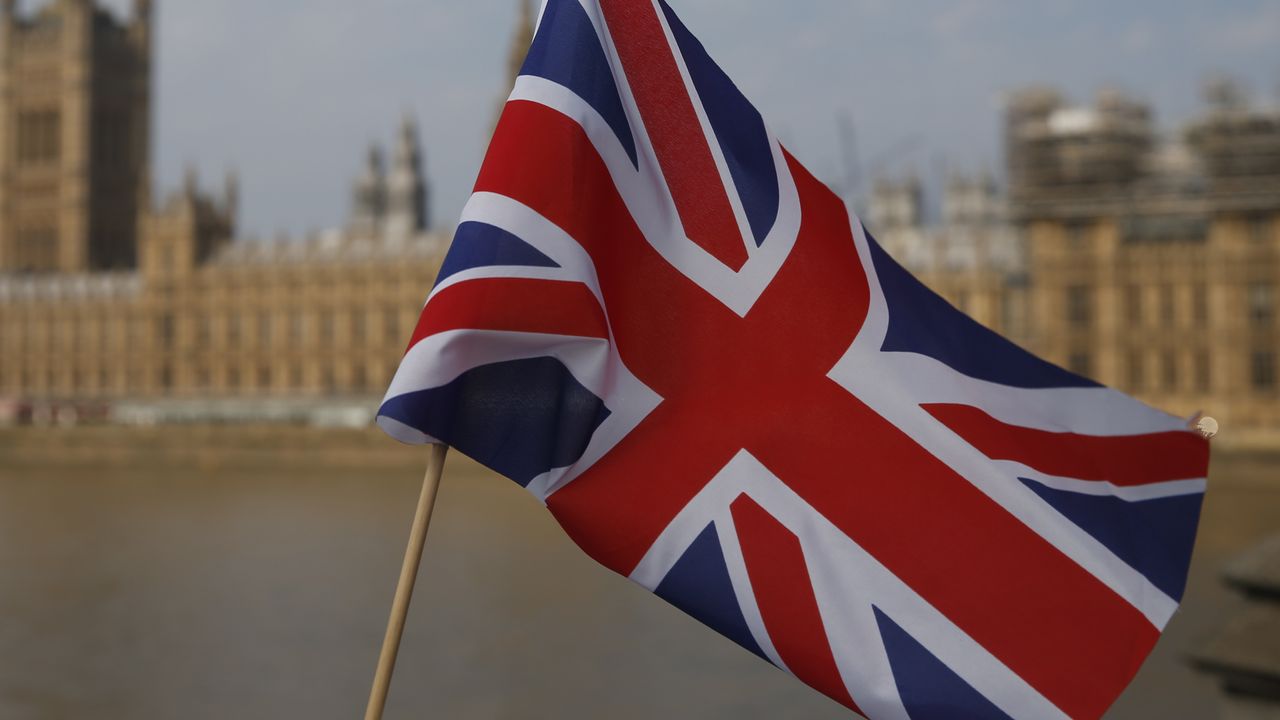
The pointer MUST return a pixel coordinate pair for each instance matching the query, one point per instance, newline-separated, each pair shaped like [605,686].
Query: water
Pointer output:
[163,594]
[174,592]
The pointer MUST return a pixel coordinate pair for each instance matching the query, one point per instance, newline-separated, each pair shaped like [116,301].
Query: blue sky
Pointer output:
[290,92]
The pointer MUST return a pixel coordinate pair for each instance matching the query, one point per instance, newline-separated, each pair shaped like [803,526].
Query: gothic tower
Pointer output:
[75,103]
[369,198]
[406,213]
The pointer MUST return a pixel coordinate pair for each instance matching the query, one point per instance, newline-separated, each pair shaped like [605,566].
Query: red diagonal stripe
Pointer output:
[784,592]
[674,130]
[993,576]
[553,307]
[1121,459]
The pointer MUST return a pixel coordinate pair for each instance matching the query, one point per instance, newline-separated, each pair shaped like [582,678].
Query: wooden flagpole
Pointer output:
[404,590]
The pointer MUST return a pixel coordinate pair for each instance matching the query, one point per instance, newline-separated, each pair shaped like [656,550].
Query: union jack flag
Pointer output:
[659,323]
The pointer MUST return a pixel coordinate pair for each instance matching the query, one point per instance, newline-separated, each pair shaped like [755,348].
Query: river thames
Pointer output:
[229,573]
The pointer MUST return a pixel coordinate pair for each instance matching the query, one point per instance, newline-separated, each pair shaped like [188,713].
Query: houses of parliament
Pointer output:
[1148,261]
[106,296]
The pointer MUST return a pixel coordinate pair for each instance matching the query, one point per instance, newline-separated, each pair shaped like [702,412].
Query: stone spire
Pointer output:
[231,196]
[369,197]
[406,189]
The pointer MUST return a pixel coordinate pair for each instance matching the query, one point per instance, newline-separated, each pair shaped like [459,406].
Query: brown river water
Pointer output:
[171,585]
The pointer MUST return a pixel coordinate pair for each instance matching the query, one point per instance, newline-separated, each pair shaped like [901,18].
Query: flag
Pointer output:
[660,324]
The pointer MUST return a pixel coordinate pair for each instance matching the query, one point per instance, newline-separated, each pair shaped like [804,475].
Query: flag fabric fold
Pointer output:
[655,320]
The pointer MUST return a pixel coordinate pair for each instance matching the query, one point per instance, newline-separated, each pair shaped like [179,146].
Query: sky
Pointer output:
[289,93]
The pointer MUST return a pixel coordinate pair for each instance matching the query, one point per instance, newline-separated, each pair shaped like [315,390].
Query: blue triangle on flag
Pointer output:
[699,584]
[518,417]
[928,688]
[567,52]
[1154,537]
[921,322]
[478,244]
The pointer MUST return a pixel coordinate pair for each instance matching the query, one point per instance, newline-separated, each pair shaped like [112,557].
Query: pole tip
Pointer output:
[1206,426]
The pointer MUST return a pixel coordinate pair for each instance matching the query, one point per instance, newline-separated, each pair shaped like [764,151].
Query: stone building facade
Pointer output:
[75,106]
[1154,263]
[159,301]
[202,316]
[1149,263]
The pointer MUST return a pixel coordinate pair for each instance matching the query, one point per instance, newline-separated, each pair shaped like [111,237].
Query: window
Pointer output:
[1263,370]
[1259,229]
[361,377]
[1168,306]
[164,329]
[111,139]
[1008,320]
[1080,363]
[233,378]
[264,377]
[1133,304]
[296,327]
[326,327]
[1200,305]
[357,326]
[1203,372]
[1169,371]
[36,248]
[264,329]
[1077,234]
[204,333]
[392,325]
[233,329]
[39,137]
[1261,304]
[12,336]
[1079,305]
[1136,375]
